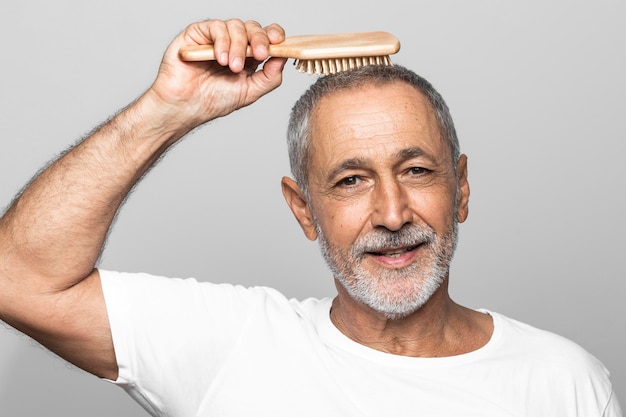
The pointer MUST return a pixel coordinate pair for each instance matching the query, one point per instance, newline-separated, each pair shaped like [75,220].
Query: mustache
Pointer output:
[379,240]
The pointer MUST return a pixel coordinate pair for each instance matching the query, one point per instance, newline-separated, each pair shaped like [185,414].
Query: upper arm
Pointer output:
[72,323]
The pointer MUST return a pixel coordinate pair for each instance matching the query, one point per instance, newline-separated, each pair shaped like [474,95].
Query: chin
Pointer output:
[393,302]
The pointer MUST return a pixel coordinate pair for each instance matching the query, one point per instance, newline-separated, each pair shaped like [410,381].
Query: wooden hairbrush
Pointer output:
[321,54]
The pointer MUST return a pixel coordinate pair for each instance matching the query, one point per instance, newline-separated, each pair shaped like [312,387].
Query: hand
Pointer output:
[193,93]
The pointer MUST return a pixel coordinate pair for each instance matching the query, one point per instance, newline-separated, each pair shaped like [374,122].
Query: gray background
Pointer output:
[537,91]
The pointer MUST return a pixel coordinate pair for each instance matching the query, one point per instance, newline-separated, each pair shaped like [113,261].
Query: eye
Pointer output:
[350,181]
[417,171]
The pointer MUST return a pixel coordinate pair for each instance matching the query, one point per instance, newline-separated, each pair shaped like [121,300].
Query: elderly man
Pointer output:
[379,181]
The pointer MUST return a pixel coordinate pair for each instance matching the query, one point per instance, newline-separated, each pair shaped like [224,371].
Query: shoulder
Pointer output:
[555,364]
[540,344]
[546,352]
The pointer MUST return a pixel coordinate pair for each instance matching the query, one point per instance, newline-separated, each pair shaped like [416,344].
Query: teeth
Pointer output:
[397,253]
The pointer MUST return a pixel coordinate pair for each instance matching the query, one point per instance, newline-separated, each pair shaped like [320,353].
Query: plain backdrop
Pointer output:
[537,89]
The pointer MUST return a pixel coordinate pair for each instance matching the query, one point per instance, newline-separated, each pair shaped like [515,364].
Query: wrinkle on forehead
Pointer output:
[373,122]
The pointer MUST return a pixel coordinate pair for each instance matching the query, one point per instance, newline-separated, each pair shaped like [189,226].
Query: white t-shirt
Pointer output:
[189,348]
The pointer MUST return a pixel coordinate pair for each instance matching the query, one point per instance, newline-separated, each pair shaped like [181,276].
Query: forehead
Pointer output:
[372,121]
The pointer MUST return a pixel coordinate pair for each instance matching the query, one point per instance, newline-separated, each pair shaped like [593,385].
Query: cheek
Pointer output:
[342,223]
[436,209]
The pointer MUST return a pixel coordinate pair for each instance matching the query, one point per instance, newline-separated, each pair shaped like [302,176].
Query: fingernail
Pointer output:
[237,64]
[273,34]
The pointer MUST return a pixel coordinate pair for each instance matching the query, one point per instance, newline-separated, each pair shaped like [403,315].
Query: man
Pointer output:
[379,181]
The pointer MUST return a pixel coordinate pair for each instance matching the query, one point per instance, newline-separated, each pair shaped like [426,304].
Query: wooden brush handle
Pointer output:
[342,45]
[204,53]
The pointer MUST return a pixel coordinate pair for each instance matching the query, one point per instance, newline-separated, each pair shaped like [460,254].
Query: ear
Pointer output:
[463,190]
[299,207]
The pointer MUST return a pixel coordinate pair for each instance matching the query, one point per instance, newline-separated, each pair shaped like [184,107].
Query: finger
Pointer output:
[275,33]
[271,75]
[258,40]
[218,34]
[273,69]
[238,44]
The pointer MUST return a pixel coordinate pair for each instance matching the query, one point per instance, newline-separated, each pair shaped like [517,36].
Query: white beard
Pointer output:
[395,293]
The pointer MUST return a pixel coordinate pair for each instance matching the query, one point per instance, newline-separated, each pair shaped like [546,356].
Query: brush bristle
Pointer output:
[335,65]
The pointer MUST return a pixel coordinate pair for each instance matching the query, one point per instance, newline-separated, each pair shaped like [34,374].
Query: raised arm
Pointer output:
[53,233]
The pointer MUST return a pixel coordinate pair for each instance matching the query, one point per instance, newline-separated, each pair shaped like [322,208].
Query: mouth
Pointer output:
[395,257]
[394,252]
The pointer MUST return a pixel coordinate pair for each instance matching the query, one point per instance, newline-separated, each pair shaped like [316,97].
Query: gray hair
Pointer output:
[299,129]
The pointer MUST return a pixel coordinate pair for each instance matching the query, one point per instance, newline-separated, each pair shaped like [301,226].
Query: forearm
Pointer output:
[52,235]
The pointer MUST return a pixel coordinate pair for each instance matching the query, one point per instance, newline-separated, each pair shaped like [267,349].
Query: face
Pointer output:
[384,197]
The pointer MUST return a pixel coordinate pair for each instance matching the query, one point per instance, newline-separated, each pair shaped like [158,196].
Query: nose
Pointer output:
[391,208]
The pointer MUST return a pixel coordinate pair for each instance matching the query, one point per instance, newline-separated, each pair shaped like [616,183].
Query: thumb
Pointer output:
[270,76]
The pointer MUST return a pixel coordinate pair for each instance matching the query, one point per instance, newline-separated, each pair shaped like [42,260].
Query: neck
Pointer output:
[439,328]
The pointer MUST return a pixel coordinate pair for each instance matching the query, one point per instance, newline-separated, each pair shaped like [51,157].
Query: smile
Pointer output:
[395,253]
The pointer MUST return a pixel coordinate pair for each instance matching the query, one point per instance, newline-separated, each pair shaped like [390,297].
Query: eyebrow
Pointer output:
[352,163]
[411,153]
[358,163]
